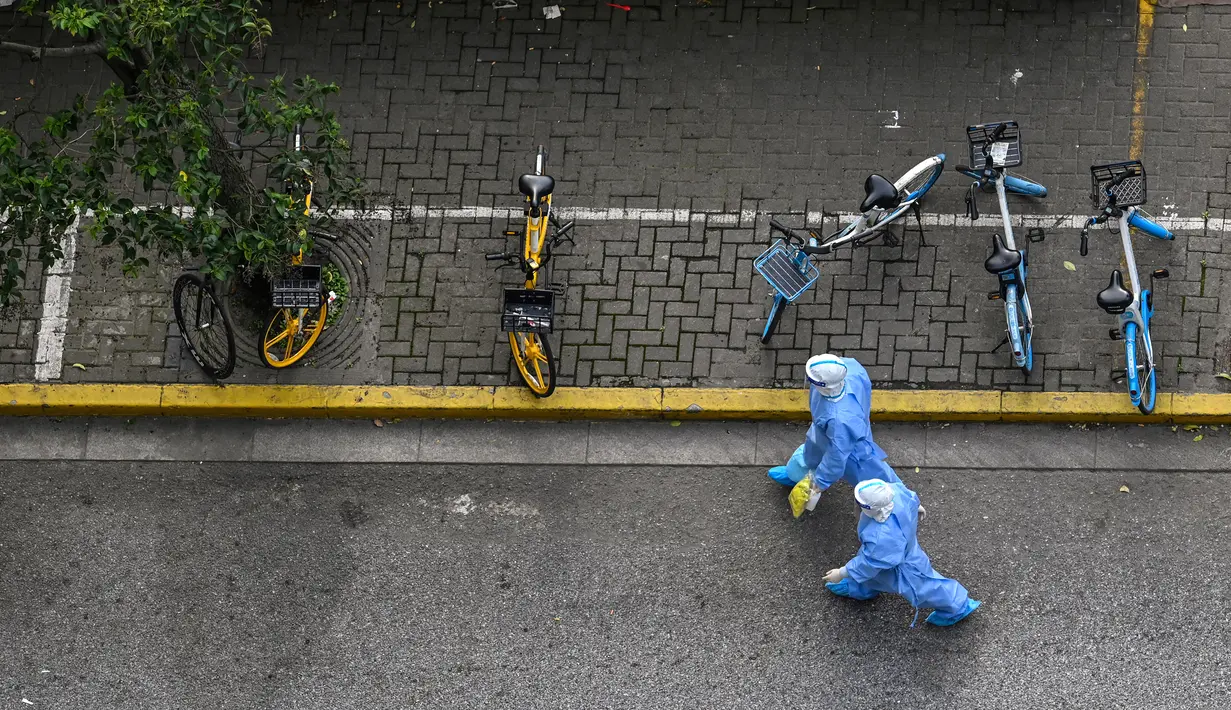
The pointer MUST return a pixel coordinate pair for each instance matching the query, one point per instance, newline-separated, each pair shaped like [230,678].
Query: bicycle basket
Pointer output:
[778,266]
[528,310]
[1130,192]
[300,289]
[1005,150]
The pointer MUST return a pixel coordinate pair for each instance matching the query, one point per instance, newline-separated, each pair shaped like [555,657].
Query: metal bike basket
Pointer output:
[778,265]
[528,310]
[1006,150]
[1129,193]
[301,288]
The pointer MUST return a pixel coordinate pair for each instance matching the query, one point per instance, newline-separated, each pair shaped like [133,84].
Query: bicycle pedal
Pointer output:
[1035,234]
[1160,274]
[993,296]
[1115,334]
[889,239]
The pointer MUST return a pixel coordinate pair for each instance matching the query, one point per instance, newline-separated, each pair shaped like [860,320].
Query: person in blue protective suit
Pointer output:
[890,559]
[839,443]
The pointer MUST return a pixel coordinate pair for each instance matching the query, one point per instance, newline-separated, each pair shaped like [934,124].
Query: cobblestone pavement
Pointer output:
[719,110]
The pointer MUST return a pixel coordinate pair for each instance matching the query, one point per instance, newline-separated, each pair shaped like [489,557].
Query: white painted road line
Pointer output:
[745,218]
[57,290]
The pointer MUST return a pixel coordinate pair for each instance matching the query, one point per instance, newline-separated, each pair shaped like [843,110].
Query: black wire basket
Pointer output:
[1131,190]
[528,310]
[1005,149]
[301,288]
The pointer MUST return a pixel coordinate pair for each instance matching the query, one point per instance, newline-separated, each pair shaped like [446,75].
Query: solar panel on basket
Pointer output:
[778,266]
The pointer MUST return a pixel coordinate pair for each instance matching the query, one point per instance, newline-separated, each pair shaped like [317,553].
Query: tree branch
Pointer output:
[37,53]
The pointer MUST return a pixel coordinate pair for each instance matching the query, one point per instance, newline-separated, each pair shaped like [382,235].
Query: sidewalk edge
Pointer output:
[586,403]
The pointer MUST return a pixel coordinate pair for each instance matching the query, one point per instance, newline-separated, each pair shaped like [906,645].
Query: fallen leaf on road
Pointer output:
[79,366]
[378,422]
[916,469]
[675,423]
[1199,437]
[1069,265]
[1191,427]
[1124,489]
[1221,375]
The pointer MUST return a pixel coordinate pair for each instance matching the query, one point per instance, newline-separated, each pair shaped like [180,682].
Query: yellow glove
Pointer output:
[803,494]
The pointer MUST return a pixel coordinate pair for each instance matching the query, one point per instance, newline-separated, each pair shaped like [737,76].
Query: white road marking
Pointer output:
[57,290]
[746,218]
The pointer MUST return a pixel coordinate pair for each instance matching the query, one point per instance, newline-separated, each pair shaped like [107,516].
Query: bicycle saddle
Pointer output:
[1115,298]
[1002,258]
[880,193]
[536,187]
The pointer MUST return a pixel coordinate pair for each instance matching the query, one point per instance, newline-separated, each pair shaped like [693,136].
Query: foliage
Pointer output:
[176,124]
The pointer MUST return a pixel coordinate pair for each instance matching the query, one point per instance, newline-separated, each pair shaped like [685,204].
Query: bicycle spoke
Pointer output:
[280,338]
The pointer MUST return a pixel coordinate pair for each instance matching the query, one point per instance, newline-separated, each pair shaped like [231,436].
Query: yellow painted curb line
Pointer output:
[705,403]
[93,399]
[935,405]
[294,401]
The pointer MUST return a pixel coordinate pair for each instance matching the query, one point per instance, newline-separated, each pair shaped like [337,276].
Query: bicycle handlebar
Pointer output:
[500,256]
[999,131]
[794,236]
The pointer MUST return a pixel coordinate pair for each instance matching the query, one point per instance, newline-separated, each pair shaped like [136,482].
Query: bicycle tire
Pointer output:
[1148,226]
[775,317]
[293,354]
[216,359]
[541,383]
[1027,336]
[1013,327]
[919,179]
[1023,186]
[1147,387]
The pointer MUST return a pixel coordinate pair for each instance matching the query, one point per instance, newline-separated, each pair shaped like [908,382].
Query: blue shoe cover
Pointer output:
[938,619]
[842,589]
[779,474]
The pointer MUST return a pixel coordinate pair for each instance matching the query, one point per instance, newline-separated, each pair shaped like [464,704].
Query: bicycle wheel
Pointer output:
[919,179]
[1027,336]
[532,353]
[775,315]
[1141,376]
[204,325]
[291,333]
[1014,327]
[1022,186]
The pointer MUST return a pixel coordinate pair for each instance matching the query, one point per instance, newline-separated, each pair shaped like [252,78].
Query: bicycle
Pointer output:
[787,265]
[1118,189]
[204,324]
[298,298]
[528,313]
[997,147]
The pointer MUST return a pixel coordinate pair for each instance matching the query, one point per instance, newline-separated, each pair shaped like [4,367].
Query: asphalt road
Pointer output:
[174,585]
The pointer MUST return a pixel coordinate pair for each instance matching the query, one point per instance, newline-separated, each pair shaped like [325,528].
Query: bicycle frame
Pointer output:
[1136,315]
[1023,352]
[536,232]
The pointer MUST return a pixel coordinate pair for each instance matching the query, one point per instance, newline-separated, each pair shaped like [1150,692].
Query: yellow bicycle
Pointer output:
[298,299]
[529,312]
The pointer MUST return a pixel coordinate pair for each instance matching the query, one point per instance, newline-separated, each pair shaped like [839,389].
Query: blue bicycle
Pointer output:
[995,147]
[786,264]
[1118,190]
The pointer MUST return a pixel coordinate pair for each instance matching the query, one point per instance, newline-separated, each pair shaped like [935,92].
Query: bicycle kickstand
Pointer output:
[1002,344]
[919,221]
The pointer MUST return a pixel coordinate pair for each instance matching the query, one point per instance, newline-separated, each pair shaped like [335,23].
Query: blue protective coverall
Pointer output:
[890,560]
[839,442]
